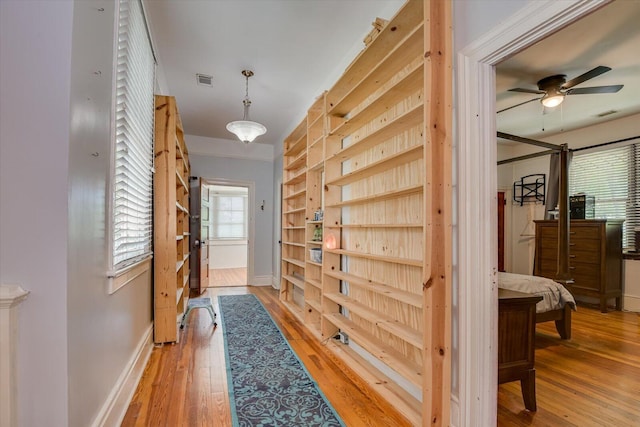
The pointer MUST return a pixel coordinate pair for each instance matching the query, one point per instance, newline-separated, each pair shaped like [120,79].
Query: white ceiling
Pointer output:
[609,37]
[296,49]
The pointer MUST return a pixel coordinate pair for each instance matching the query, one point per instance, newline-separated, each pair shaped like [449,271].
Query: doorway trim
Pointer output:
[251,186]
[277,235]
[476,153]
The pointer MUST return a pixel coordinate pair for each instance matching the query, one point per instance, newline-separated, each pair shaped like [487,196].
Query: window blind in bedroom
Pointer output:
[611,176]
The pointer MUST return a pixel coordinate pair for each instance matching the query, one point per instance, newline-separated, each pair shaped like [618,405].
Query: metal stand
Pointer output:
[204,302]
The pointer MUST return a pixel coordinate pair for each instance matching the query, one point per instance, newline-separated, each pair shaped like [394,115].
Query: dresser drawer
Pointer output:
[584,233]
[585,251]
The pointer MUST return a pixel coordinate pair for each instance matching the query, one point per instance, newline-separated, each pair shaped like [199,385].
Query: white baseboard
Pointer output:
[631,303]
[261,281]
[115,407]
[275,283]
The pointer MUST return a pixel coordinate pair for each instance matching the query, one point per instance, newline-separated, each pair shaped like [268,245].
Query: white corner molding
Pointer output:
[10,297]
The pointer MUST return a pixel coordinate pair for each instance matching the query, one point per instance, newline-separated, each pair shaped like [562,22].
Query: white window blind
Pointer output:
[229,217]
[134,119]
[610,176]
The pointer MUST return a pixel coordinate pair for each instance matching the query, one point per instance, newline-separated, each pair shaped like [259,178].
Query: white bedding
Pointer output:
[554,295]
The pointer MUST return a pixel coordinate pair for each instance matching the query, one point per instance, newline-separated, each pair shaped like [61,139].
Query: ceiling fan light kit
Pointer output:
[245,129]
[554,88]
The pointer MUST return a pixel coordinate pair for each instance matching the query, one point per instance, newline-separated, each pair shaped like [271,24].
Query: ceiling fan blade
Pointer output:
[594,89]
[517,105]
[522,90]
[600,69]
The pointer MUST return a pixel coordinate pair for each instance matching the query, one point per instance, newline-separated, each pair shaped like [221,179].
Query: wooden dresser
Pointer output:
[595,260]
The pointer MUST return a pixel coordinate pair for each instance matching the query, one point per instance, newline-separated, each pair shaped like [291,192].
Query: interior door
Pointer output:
[200,223]
[204,233]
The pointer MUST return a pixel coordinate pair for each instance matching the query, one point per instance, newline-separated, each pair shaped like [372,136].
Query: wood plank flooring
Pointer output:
[222,277]
[591,380]
[185,384]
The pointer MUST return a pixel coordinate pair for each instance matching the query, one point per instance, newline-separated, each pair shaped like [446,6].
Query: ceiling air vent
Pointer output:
[204,80]
[606,113]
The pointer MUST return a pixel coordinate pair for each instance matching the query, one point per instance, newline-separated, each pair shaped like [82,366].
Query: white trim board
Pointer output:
[115,407]
[261,281]
[476,198]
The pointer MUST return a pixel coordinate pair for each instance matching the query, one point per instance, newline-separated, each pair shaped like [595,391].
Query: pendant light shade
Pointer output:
[245,129]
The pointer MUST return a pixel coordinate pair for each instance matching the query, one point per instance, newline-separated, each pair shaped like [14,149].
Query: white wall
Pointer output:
[104,331]
[75,340]
[35,63]
[227,255]
[631,299]
[261,174]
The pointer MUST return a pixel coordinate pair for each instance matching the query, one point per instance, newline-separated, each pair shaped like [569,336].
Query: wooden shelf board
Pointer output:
[297,140]
[316,141]
[404,402]
[314,242]
[380,226]
[317,166]
[393,127]
[298,177]
[299,283]
[315,120]
[315,222]
[402,157]
[313,304]
[297,162]
[409,84]
[292,211]
[182,208]
[294,309]
[179,293]
[186,280]
[393,194]
[179,236]
[294,261]
[181,182]
[314,263]
[385,353]
[302,245]
[354,86]
[179,264]
[395,328]
[299,227]
[296,194]
[394,260]
[313,282]
[379,288]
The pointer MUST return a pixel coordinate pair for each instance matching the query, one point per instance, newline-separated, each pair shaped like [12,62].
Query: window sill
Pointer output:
[125,276]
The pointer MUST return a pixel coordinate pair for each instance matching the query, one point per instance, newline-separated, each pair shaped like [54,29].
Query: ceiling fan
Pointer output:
[554,88]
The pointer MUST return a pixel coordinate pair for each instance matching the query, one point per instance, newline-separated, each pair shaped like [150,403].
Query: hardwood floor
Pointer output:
[185,384]
[222,277]
[591,380]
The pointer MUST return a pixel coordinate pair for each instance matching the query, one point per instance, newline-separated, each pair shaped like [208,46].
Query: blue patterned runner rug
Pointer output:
[268,385]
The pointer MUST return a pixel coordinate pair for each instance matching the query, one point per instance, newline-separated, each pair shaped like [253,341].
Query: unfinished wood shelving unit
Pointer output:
[316,129]
[171,221]
[294,193]
[385,172]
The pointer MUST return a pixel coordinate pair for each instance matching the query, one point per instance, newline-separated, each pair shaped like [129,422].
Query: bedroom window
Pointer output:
[611,176]
[133,109]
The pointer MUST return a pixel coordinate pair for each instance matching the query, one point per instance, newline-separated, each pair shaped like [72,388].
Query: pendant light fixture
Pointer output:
[245,129]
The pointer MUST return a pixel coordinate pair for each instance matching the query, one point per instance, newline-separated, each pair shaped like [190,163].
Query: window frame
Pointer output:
[126,270]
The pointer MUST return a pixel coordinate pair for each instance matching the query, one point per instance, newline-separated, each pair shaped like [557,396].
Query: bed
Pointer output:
[556,304]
